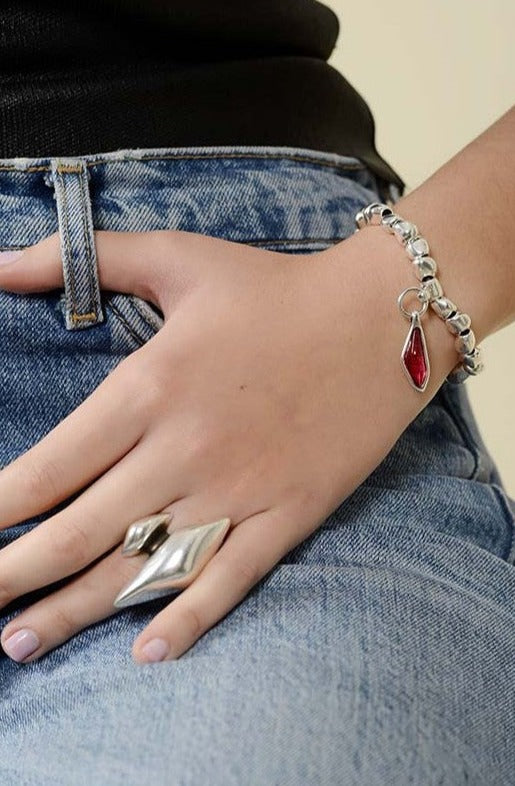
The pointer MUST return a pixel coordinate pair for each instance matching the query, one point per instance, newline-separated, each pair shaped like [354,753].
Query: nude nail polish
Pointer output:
[155,650]
[21,644]
[10,256]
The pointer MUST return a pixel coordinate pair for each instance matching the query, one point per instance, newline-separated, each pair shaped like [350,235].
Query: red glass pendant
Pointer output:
[414,357]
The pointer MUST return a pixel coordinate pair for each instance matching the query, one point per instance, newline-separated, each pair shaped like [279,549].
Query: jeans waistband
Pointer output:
[266,153]
[297,199]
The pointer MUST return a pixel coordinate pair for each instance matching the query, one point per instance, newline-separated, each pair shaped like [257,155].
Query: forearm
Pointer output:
[466,212]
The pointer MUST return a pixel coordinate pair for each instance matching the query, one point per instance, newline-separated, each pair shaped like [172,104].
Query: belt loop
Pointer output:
[80,272]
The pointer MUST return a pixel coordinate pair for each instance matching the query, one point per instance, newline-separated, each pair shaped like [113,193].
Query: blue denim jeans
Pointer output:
[380,650]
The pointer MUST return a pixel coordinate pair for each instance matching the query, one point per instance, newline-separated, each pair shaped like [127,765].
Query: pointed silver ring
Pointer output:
[176,558]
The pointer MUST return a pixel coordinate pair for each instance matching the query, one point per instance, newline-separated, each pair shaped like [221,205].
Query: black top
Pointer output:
[79,78]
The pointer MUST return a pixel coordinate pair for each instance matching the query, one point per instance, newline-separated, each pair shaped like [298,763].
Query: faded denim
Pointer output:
[379,651]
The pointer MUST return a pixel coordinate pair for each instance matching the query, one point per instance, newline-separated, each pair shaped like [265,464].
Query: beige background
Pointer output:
[435,74]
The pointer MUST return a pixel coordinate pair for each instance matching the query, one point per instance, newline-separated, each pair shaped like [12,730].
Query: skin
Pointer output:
[272,391]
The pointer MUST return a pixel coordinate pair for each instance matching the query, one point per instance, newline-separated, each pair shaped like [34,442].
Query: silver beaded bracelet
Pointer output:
[414,356]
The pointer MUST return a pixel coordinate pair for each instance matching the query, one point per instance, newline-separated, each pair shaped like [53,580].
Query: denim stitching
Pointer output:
[75,169]
[293,240]
[500,495]
[271,156]
[118,315]
[132,302]
[261,241]
[69,266]
[180,156]
[23,171]
[142,314]
[90,260]
[68,168]
[82,317]
[463,429]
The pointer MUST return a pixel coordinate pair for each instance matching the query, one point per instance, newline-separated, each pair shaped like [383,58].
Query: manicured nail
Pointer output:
[21,644]
[10,256]
[155,650]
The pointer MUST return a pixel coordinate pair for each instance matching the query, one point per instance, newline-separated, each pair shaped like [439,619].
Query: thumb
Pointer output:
[130,262]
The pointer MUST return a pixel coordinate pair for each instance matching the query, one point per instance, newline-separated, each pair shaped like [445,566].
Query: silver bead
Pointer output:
[360,219]
[478,368]
[375,212]
[417,247]
[404,231]
[458,323]
[367,211]
[465,342]
[424,266]
[443,307]
[432,288]
[430,291]
[389,220]
[473,361]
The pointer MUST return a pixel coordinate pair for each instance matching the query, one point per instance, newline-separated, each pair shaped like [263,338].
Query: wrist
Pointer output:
[372,269]
[465,211]
[474,288]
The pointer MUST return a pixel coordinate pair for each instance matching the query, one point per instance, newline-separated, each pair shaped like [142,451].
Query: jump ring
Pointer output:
[422,297]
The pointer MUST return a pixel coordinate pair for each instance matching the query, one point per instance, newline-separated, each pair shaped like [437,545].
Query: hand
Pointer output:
[268,396]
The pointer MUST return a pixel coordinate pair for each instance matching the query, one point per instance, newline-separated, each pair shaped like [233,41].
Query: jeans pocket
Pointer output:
[133,321]
[455,400]
[432,444]
[295,246]
[131,317]
[425,505]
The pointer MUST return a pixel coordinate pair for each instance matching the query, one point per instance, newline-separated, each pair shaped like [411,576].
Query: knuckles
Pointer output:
[244,572]
[140,384]
[43,482]
[191,622]
[6,595]
[63,624]
[247,573]
[70,545]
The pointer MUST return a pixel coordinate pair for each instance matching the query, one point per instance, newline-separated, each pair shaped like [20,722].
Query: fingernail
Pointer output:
[155,650]
[21,644]
[10,256]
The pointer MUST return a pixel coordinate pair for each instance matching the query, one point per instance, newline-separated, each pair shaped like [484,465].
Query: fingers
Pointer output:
[252,548]
[145,264]
[125,260]
[139,485]
[250,551]
[86,599]
[88,441]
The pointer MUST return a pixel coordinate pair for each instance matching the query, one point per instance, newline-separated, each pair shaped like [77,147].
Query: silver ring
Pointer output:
[176,558]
